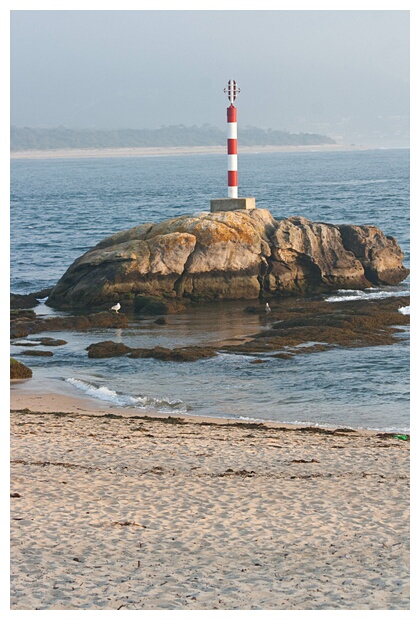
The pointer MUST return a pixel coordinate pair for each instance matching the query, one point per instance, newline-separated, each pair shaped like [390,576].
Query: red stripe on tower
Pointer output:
[232,147]
[231,114]
[233,181]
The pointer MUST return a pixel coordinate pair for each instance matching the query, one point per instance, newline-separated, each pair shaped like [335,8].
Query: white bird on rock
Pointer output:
[116,307]
[267,307]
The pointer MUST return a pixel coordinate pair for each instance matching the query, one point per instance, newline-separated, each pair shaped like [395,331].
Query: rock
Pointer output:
[27,301]
[153,306]
[22,301]
[51,342]
[252,310]
[37,353]
[17,330]
[22,327]
[380,256]
[119,272]
[226,255]
[310,256]
[45,341]
[108,348]
[22,314]
[360,323]
[183,354]
[19,370]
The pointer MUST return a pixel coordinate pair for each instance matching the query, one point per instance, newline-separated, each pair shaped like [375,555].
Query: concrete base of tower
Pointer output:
[232,204]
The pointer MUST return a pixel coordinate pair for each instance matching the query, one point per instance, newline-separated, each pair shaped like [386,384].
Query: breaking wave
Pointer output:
[370,293]
[123,400]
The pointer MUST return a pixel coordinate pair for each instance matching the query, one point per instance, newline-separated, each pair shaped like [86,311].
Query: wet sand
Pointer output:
[114,510]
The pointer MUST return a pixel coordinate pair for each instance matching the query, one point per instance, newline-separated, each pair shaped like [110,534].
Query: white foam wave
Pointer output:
[351,295]
[249,419]
[404,310]
[352,182]
[124,400]
[384,429]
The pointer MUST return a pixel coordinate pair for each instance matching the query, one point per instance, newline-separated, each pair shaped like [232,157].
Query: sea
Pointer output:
[60,208]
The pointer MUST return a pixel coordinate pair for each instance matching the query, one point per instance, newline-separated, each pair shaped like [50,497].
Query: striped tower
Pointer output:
[232,140]
[232,202]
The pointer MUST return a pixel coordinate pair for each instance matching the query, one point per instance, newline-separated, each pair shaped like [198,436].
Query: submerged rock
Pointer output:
[180,354]
[37,353]
[21,327]
[51,342]
[310,326]
[27,301]
[108,348]
[298,327]
[227,255]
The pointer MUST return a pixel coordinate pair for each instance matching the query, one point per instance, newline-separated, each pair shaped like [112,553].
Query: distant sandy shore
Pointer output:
[120,512]
[166,151]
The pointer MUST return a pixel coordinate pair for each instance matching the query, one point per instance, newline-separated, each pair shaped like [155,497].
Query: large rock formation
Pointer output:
[229,255]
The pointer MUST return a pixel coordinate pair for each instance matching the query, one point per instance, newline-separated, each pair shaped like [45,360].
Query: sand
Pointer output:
[157,151]
[142,513]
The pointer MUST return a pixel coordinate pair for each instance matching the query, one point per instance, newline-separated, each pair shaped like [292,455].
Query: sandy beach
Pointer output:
[158,151]
[111,509]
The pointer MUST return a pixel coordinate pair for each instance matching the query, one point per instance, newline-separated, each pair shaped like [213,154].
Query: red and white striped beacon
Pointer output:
[232,202]
[232,91]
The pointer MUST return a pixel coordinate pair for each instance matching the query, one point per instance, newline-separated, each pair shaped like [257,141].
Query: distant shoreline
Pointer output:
[158,151]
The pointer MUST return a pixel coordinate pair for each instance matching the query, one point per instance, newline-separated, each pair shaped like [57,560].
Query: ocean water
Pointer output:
[61,208]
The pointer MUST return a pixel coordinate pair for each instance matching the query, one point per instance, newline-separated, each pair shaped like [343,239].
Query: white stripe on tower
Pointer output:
[232,148]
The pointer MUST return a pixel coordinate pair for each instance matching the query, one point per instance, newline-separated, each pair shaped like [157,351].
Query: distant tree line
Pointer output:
[28,138]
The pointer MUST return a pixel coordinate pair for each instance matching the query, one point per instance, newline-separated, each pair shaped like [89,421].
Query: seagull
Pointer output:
[267,307]
[116,307]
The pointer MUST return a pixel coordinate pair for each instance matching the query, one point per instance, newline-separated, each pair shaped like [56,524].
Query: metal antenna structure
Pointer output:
[232,90]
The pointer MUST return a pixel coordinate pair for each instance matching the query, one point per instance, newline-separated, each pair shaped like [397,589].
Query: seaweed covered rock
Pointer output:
[108,348]
[179,354]
[227,255]
[299,327]
[37,353]
[22,326]
[19,370]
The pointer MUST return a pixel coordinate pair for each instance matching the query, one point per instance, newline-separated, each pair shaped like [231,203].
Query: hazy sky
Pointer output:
[341,73]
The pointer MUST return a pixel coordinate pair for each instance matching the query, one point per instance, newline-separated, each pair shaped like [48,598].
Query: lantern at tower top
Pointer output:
[232,90]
